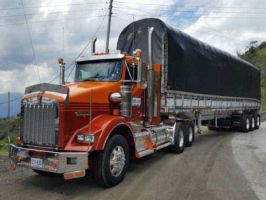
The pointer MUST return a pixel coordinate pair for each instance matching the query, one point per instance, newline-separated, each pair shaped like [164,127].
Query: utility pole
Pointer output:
[8,117]
[8,105]
[109,26]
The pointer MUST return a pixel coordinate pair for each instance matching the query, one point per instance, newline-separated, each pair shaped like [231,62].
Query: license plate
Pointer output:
[36,162]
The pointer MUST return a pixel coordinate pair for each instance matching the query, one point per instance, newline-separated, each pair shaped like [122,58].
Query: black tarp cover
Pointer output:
[192,66]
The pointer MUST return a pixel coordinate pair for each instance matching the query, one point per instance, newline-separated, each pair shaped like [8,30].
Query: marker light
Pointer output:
[138,53]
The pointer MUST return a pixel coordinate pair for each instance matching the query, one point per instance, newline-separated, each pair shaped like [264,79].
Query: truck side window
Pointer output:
[132,72]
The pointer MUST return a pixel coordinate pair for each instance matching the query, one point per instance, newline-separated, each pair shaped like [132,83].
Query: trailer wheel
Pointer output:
[189,134]
[257,121]
[110,165]
[179,138]
[245,123]
[252,122]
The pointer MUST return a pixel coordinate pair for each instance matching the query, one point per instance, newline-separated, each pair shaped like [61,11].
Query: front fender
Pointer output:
[100,127]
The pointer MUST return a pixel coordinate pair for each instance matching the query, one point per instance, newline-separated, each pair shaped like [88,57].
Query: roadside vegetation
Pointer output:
[256,54]
[8,127]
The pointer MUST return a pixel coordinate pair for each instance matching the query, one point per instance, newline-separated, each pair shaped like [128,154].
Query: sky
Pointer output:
[33,34]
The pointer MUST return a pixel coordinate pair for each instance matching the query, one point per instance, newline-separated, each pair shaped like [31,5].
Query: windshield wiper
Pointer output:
[89,79]
[92,78]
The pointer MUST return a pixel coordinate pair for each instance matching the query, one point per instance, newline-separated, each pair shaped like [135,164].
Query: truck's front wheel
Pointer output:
[110,166]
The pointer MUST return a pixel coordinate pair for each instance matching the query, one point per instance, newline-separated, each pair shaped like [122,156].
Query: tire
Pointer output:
[257,121]
[179,138]
[105,172]
[245,123]
[252,122]
[189,134]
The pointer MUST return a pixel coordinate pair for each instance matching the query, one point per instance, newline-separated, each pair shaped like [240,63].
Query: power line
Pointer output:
[188,11]
[48,6]
[31,42]
[52,20]
[194,6]
[86,46]
[50,13]
[12,100]
[188,17]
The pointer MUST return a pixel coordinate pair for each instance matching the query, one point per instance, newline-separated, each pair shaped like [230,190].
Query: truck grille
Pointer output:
[39,124]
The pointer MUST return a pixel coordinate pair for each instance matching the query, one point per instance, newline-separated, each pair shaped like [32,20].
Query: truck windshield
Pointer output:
[107,70]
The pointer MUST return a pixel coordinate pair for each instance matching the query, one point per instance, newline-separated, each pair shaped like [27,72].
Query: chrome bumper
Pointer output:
[56,162]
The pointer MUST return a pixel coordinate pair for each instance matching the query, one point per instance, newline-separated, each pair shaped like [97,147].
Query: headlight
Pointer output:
[87,138]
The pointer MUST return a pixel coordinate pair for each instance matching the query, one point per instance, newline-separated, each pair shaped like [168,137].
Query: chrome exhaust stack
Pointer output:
[62,71]
[151,78]
[126,102]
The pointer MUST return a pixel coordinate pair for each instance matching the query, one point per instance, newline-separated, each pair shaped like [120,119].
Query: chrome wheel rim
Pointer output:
[190,135]
[117,161]
[247,124]
[258,121]
[181,138]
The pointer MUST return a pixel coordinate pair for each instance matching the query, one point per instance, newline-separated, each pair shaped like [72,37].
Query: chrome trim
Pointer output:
[39,125]
[151,79]
[55,162]
[82,113]
[101,57]
[126,100]
[117,161]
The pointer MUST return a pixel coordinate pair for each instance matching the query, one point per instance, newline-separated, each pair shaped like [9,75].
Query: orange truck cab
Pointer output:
[89,124]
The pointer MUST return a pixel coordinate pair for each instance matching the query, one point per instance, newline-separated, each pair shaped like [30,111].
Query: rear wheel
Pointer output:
[245,123]
[252,122]
[189,134]
[179,138]
[257,121]
[110,165]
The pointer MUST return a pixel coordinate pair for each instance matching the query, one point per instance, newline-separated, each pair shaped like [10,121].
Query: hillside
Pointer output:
[11,125]
[257,56]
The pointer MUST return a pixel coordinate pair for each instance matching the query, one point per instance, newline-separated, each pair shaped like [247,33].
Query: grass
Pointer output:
[7,127]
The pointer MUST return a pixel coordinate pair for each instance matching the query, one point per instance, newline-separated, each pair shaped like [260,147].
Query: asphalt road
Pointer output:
[220,165]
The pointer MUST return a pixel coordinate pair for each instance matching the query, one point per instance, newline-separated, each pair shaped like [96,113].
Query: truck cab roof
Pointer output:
[100,57]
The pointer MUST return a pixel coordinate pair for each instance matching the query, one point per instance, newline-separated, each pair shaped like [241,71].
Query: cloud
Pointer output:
[16,80]
[228,25]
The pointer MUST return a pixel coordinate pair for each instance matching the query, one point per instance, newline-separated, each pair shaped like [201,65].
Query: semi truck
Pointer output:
[154,95]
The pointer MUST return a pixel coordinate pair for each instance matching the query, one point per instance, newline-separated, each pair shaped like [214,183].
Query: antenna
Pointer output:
[109,26]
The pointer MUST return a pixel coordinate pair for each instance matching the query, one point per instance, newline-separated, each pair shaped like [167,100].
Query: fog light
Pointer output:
[71,160]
